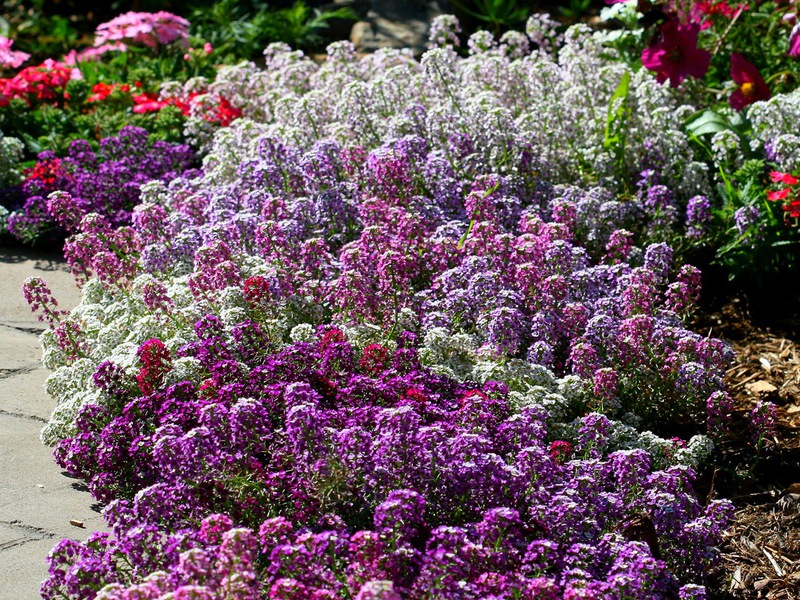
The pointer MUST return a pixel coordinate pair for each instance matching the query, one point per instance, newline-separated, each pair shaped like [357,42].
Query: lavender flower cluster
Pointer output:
[343,469]
[105,182]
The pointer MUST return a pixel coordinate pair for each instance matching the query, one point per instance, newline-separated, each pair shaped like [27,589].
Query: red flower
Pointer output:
[752,86]
[792,209]
[673,53]
[226,112]
[779,195]
[374,359]
[560,451]
[257,290]
[147,102]
[332,336]
[101,91]
[155,358]
[703,11]
[710,7]
[778,177]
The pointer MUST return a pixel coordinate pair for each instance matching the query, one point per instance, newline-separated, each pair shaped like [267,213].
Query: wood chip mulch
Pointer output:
[761,554]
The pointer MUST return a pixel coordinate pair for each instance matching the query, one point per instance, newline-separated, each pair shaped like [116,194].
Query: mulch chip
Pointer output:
[761,554]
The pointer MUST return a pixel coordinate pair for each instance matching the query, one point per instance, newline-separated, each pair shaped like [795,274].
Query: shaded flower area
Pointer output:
[343,468]
[105,182]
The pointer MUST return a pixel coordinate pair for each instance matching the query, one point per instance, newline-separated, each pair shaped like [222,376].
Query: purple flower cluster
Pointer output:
[106,182]
[548,274]
[362,474]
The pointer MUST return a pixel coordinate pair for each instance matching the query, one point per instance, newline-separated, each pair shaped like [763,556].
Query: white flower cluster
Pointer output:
[111,327]
[11,151]
[554,102]
[774,124]
[563,398]
[3,218]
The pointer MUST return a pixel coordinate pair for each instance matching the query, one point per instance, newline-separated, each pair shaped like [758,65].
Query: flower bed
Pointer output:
[418,329]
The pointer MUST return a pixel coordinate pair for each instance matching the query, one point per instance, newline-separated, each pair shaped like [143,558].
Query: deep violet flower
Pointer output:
[673,53]
[752,86]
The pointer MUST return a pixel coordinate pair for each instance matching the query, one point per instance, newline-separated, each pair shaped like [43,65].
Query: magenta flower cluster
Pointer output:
[352,473]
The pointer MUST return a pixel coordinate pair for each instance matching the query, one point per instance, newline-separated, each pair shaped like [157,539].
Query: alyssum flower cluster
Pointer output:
[401,345]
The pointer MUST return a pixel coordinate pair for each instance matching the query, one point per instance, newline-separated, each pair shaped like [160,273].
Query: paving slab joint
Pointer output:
[8,373]
[31,532]
[32,330]
[21,416]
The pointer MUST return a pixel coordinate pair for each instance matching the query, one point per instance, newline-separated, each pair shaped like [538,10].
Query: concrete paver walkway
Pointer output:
[37,501]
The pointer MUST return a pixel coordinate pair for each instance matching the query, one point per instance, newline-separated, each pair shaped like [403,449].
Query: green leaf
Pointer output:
[709,122]
[464,237]
[616,115]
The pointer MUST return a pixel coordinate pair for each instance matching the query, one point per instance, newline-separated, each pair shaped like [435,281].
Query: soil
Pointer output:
[761,553]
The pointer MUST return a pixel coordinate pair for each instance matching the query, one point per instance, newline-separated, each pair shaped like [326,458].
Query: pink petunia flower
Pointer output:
[147,102]
[673,53]
[752,86]
[794,42]
[8,57]
[149,29]
[787,178]
[781,194]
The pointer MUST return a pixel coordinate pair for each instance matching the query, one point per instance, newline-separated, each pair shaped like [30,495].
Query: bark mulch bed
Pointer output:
[761,553]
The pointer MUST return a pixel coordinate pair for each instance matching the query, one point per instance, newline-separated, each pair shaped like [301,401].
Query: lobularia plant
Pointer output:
[554,102]
[361,465]
[396,239]
[570,100]
[11,150]
[387,328]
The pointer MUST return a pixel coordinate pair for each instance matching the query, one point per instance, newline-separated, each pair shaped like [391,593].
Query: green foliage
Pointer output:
[40,35]
[761,35]
[167,125]
[237,31]
[301,26]
[757,31]
[618,112]
[498,15]
[769,246]
[575,10]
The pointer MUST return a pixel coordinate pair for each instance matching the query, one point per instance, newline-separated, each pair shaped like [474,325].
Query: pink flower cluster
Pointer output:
[8,57]
[149,29]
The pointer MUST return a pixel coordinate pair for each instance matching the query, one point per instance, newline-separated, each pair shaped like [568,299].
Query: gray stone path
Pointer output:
[37,501]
